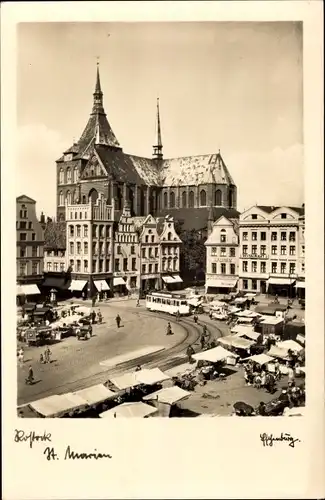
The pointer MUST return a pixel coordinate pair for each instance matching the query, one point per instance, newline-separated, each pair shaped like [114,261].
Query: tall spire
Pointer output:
[157,149]
[98,95]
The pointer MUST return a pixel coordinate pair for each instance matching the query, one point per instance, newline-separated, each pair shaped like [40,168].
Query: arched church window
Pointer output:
[218,198]
[165,200]
[68,175]
[184,199]
[93,195]
[61,199]
[191,199]
[172,200]
[61,176]
[203,198]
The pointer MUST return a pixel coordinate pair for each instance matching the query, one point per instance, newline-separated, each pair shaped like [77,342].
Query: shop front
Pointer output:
[300,289]
[78,287]
[102,288]
[149,283]
[27,293]
[120,288]
[283,287]
[218,286]
[172,282]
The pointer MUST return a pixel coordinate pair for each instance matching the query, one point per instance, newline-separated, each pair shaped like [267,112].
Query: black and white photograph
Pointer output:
[160,220]
[162,192]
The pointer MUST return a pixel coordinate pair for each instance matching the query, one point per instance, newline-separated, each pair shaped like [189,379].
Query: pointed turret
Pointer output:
[98,107]
[157,149]
[98,131]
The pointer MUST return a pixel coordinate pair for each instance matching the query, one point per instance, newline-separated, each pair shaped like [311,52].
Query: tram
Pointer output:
[167,303]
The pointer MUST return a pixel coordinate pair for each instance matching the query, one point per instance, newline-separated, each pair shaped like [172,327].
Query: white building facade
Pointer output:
[89,252]
[222,256]
[270,249]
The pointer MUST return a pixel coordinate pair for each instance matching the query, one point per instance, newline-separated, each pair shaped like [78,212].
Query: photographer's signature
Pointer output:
[270,439]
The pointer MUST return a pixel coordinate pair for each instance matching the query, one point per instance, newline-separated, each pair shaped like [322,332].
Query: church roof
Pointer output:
[194,170]
[55,235]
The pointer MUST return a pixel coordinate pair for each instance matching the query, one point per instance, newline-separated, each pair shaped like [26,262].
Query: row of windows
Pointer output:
[77,266]
[274,235]
[223,268]
[23,268]
[274,267]
[25,253]
[150,253]
[149,268]
[23,237]
[54,253]
[223,251]
[124,265]
[169,302]
[126,238]
[190,199]
[72,176]
[274,250]
[119,249]
[23,212]
[56,266]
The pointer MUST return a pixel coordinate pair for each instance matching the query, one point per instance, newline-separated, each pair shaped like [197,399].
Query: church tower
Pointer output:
[157,149]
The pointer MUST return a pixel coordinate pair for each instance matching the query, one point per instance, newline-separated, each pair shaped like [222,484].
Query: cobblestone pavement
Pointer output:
[73,359]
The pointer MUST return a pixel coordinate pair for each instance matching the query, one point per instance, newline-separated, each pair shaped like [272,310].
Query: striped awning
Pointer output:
[31,289]
[101,285]
[77,285]
[118,281]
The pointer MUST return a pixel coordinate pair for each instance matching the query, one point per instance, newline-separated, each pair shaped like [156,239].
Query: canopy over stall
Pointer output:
[30,289]
[290,344]
[126,381]
[95,394]
[101,285]
[128,410]
[236,342]
[280,281]
[261,359]
[151,376]
[250,295]
[56,405]
[276,352]
[250,334]
[214,355]
[77,285]
[246,314]
[169,395]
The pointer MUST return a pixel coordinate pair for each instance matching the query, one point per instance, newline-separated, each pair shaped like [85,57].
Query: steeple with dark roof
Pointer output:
[157,149]
[98,130]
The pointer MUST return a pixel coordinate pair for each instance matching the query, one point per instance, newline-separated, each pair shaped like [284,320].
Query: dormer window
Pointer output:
[254,216]
[283,216]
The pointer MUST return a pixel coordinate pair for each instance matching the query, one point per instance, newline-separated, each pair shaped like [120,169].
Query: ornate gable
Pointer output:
[168,234]
[94,168]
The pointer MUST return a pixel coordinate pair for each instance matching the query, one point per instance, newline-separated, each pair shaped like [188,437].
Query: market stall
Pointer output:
[59,406]
[130,410]
[165,399]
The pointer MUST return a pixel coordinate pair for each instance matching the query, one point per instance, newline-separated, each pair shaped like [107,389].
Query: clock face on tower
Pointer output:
[93,160]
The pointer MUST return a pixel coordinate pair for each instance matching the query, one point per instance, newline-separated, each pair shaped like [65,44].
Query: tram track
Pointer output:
[164,360]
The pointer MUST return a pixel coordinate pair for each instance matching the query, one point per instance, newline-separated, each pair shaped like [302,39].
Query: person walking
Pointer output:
[190,351]
[93,317]
[47,355]
[118,320]
[205,330]
[169,329]
[30,378]
[195,318]
[202,341]
[138,303]
[99,316]
[21,356]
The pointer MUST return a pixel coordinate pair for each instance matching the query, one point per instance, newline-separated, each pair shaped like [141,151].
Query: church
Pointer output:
[192,189]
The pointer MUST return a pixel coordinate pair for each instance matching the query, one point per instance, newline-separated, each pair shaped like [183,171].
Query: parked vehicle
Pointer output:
[85,332]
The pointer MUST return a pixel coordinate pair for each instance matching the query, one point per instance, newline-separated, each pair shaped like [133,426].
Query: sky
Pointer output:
[237,87]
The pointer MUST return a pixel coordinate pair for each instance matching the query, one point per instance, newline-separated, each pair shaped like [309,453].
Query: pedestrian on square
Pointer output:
[41,359]
[190,351]
[30,378]
[205,330]
[93,317]
[169,329]
[202,341]
[195,318]
[138,303]
[100,317]
[21,356]
[118,321]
